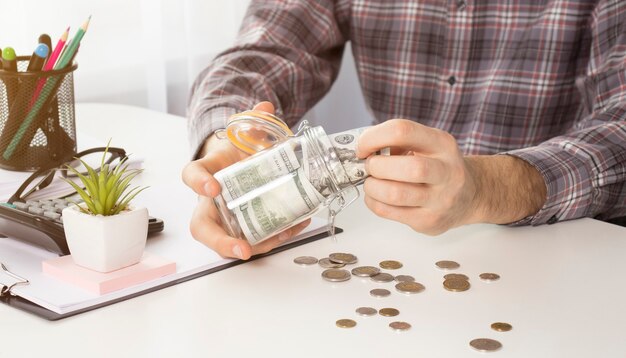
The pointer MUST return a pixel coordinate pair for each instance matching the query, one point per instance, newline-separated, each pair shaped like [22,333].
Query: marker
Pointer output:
[45,39]
[9,62]
[38,58]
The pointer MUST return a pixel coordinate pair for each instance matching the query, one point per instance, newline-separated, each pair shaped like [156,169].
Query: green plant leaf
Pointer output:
[128,198]
[86,198]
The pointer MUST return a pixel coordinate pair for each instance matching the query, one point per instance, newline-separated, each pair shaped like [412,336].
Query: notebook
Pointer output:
[54,299]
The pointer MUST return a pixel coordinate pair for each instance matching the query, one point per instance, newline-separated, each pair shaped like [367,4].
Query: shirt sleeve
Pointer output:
[287,52]
[585,169]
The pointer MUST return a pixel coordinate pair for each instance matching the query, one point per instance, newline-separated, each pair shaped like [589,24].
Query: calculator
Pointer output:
[40,222]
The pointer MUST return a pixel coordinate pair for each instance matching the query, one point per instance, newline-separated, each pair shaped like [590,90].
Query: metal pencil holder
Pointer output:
[37,119]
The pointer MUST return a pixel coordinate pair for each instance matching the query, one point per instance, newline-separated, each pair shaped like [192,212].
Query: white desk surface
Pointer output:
[562,287]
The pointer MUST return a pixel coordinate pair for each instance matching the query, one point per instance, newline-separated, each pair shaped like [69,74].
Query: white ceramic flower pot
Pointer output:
[106,243]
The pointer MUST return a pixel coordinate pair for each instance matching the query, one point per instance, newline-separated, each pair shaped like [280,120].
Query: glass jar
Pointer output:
[293,178]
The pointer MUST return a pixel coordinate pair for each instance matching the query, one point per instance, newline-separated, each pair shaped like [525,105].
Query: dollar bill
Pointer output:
[345,146]
[288,201]
[257,171]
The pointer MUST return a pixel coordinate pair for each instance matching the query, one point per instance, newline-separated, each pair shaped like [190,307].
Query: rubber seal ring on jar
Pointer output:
[254,131]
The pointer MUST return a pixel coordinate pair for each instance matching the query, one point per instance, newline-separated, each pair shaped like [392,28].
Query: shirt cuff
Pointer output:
[569,190]
[201,127]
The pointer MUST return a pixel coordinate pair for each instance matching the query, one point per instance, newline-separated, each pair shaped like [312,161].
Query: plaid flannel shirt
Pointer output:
[544,81]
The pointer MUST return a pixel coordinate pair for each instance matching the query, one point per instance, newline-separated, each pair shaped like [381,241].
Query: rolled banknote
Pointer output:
[345,146]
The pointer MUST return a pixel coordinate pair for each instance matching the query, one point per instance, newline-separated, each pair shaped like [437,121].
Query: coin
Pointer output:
[410,287]
[388,312]
[456,285]
[404,278]
[399,326]
[365,271]
[390,264]
[380,292]
[345,323]
[336,275]
[366,311]
[382,277]
[501,327]
[488,276]
[456,276]
[342,258]
[326,263]
[305,260]
[447,265]
[485,344]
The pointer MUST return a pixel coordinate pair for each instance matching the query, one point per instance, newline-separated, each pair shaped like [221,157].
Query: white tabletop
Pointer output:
[561,287]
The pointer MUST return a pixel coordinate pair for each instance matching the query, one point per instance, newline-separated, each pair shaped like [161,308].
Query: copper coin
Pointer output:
[390,264]
[410,287]
[489,276]
[345,323]
[342,258]
[455,285]
[501,326]
[447,265]
[388,312]
[456,276]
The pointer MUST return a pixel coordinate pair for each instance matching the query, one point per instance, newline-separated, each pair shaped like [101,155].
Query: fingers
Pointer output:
[197,175]
[265,107]
[205,228]
[279,239]
[406,168]
[397,193]
[402,133]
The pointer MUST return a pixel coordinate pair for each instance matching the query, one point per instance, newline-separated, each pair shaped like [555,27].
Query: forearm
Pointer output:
[508,189]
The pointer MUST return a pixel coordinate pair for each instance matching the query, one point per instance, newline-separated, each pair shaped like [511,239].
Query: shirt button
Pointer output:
[451,80]
[460,5]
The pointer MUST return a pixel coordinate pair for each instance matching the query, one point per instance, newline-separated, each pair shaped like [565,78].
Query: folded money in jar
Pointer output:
[289,179]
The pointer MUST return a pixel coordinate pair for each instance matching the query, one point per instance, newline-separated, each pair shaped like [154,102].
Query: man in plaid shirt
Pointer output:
[507,112]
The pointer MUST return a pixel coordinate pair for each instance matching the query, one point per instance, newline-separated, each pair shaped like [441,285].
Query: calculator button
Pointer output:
[21,206]
[51,215]
[35,210]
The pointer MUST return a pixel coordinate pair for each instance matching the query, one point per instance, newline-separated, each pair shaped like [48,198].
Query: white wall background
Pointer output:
[147,52]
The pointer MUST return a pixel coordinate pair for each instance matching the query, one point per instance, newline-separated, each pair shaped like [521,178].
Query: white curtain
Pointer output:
[148,52]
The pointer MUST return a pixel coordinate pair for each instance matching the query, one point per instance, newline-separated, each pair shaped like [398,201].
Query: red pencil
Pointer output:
[50,64]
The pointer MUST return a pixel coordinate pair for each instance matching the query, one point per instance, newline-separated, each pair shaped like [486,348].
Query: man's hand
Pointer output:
[205,226]
[429,185]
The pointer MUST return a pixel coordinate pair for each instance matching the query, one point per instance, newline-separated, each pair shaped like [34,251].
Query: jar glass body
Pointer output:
[280,187]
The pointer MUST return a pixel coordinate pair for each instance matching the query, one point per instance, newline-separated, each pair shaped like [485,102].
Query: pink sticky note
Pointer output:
[149,268]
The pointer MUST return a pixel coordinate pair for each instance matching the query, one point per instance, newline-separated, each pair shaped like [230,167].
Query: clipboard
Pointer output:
[9,298]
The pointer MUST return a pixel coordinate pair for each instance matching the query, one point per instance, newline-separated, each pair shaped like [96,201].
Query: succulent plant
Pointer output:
[107,191]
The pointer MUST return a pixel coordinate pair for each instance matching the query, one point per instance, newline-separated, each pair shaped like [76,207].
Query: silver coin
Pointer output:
[365,271]
[343,258]
[404,278]
[366,311]
[400,326]
[305,260]
[326,263]
[336,275]
[382,277]
[485,344]
[380,292]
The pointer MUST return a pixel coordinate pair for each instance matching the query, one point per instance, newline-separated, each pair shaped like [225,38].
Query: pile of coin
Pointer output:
[454,282]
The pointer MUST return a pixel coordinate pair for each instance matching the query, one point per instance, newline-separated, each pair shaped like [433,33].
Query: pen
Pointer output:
[38,58]
[49,88]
